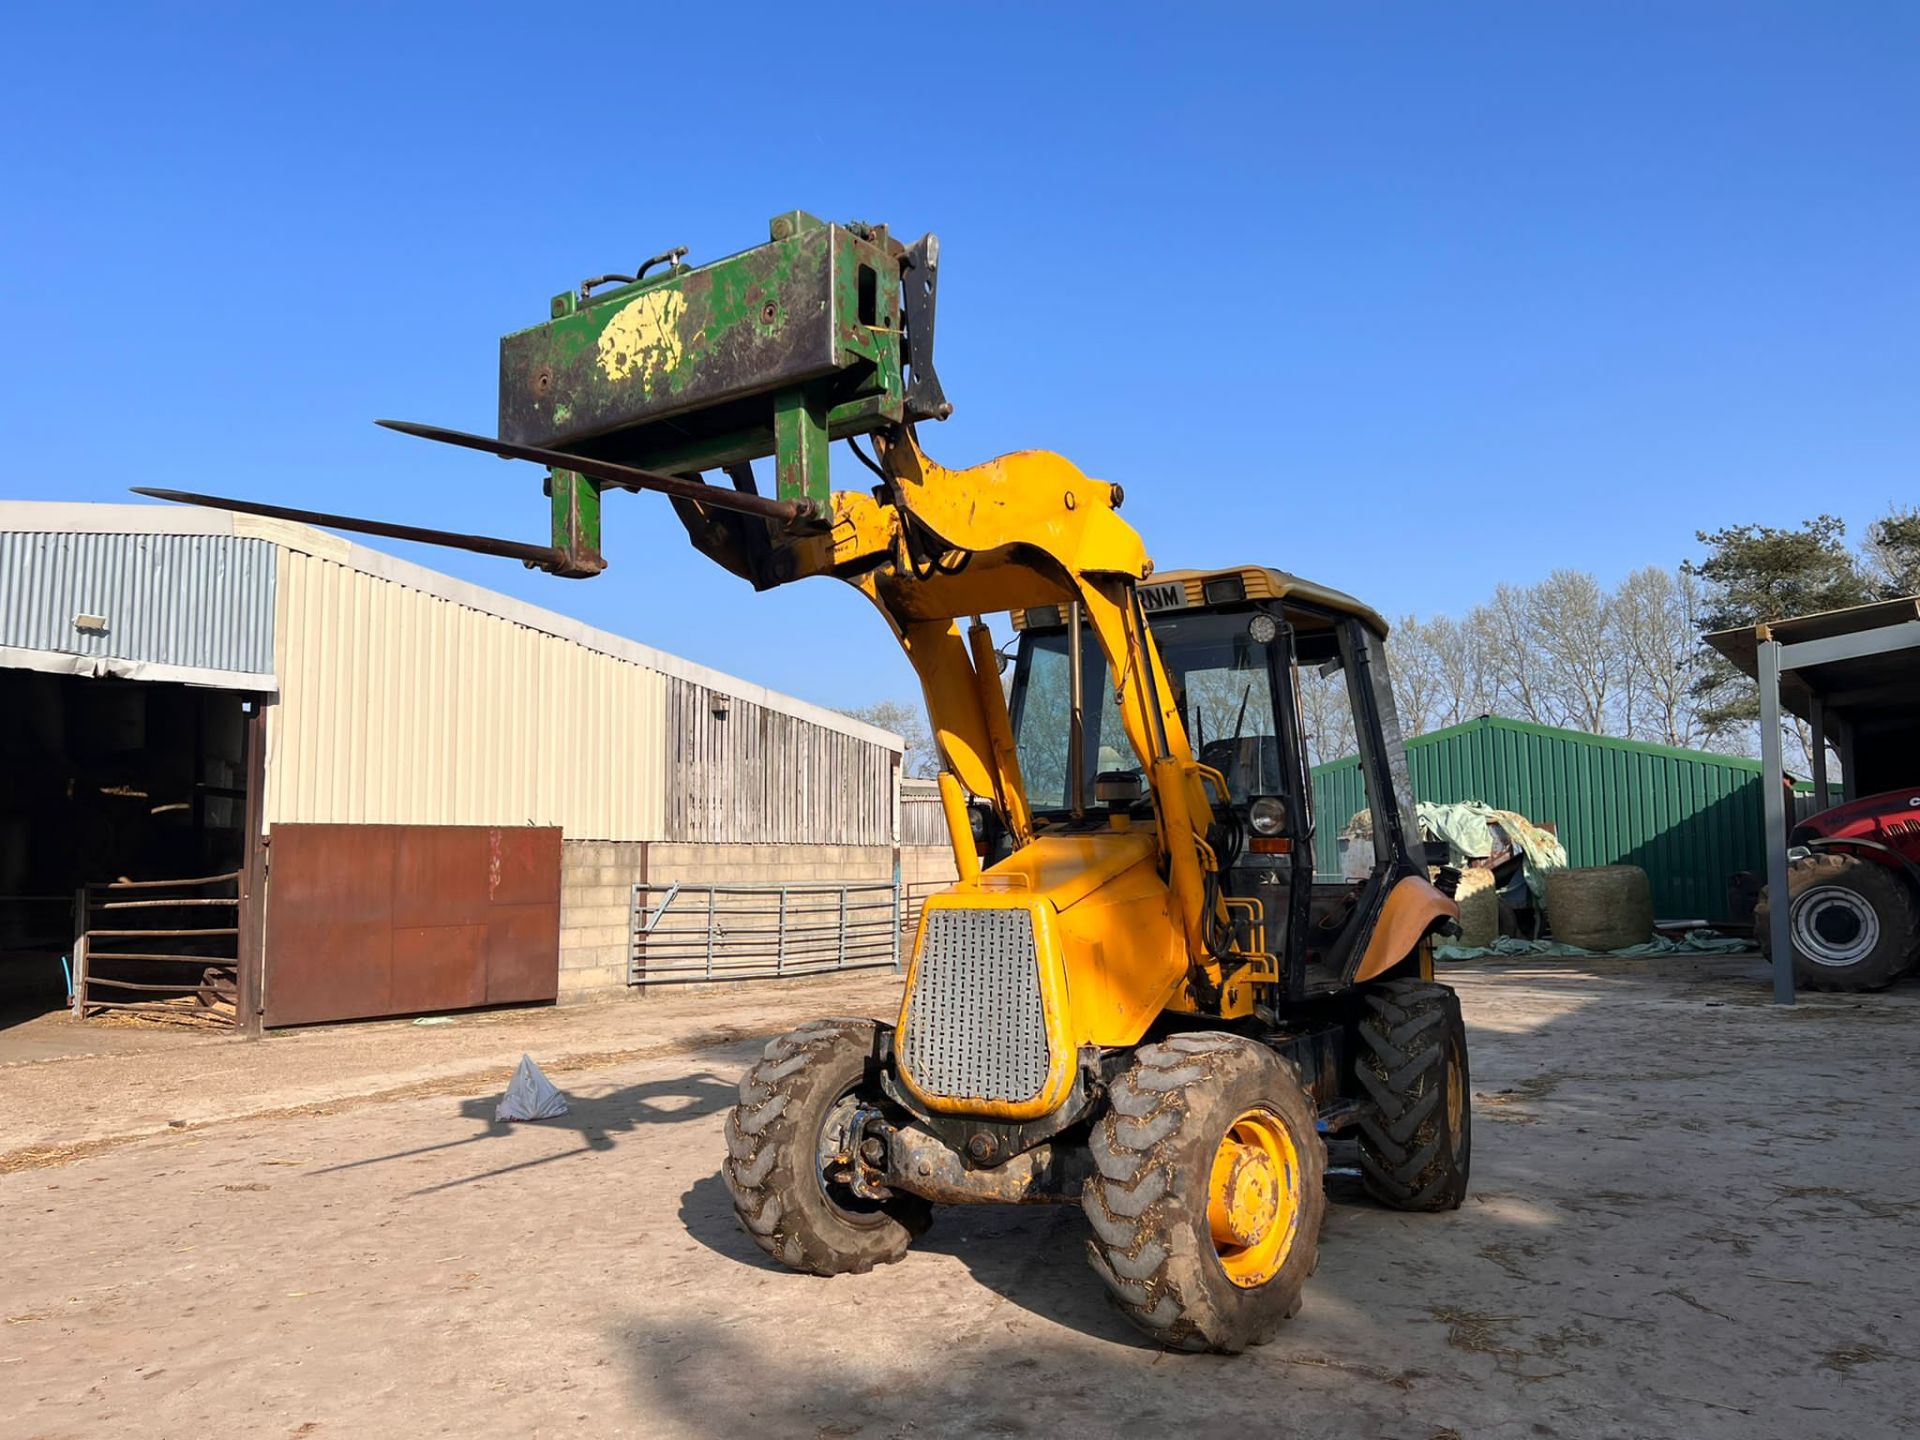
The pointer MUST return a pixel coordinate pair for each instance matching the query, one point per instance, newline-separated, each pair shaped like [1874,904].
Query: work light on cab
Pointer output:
[1267,815]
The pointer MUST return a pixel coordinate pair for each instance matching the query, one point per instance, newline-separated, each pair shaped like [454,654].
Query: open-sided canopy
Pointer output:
[1853,675]
[1853,672]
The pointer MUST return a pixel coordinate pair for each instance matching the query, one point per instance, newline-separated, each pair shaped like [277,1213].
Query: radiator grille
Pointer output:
[975,1025]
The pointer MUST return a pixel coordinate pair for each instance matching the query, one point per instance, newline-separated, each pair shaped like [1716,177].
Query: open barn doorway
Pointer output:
[123,849]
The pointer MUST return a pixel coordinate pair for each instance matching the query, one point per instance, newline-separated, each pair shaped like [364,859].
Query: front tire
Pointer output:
[779,1137]
[1208,1192]
[1852,923]
[1416,1136]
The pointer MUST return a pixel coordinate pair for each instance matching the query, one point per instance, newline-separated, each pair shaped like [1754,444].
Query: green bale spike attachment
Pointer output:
[824,332]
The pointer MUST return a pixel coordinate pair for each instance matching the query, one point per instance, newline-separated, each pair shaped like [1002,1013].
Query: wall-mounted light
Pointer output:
[721,705]
[90,624]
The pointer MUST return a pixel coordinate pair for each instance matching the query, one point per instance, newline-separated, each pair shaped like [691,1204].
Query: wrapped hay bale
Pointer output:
[1479,909]
[1605,907]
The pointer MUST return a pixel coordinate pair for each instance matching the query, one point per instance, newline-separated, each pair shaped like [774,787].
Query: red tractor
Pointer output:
[1853,878]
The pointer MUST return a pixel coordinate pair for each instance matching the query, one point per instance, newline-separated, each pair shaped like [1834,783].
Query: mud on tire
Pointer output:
[1153,1151]
[773,1168]
[1416,1135]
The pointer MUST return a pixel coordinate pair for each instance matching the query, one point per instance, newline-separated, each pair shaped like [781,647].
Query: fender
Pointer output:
[1413,906]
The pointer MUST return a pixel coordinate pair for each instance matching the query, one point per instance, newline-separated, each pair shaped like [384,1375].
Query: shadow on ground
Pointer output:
[596,1119]
[1032,1256]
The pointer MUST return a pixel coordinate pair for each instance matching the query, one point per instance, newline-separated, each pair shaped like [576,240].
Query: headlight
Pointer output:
[1262,628]
[1267,815]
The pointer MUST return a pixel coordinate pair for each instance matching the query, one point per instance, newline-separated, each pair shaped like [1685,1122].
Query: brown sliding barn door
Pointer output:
[372,920]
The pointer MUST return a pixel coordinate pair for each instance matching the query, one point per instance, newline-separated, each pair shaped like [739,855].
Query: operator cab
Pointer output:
[1241,649]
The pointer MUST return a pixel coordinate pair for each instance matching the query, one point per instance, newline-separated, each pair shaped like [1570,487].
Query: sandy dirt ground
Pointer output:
[1693,1216]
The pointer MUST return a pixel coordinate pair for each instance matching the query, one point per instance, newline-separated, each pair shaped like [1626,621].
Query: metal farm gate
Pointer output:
[682,933]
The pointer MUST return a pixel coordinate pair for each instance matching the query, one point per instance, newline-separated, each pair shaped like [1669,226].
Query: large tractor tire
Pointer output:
[1854,925]
[1416,1136]
[1208,1192]
[794,1105]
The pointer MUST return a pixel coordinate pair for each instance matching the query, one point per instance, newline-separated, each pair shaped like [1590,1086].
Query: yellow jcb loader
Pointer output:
[1138,997]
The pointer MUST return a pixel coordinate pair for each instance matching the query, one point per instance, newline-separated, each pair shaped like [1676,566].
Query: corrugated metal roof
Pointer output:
[1689,818]
[191,601]
[407,696]
[100,520]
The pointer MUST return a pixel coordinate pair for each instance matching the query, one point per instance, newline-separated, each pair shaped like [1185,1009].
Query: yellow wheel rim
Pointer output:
[1253,1198]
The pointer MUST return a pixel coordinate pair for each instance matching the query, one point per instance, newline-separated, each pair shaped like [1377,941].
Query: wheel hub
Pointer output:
[1246,1195]
[1254,1199]
[1456,1099]
[1833,925]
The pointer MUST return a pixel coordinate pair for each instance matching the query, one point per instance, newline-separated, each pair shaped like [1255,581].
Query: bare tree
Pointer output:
[1655,624]
[1575,665]
[1326,713]
[908,720]
[1463,662]
[1420,681]
[1503,633]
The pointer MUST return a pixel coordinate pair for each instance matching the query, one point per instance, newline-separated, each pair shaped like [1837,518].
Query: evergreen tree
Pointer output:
[1756,572]
[1893,550]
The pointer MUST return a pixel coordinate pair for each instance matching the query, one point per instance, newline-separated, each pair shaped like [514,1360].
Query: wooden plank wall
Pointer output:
[739,773]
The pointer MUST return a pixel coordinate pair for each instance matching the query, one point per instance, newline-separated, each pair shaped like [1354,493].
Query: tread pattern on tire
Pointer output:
[1900,915]
[767,1162]
[1407,1158]
[1144,1254]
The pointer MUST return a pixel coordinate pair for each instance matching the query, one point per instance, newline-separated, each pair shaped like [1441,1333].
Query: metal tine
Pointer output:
[608,473]
[542,555]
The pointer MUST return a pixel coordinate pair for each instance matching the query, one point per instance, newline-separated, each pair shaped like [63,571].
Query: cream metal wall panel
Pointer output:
[199,602]
[398,706]
[742,773]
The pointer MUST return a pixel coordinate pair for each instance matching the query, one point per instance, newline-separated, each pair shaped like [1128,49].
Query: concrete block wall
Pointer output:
[597,879]
[596,892]
[925,867]
[695,864]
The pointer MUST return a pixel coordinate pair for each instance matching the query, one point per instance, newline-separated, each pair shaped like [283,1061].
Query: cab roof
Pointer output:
[1265,583]
[1307,606]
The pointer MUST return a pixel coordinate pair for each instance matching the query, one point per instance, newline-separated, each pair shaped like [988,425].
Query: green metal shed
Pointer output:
[1690,819]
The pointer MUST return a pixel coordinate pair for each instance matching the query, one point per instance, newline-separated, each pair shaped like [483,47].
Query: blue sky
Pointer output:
[1410,298]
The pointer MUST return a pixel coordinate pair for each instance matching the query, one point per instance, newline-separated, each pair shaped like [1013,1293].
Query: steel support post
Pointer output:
[1774,807]
[1817,724]
[81,921]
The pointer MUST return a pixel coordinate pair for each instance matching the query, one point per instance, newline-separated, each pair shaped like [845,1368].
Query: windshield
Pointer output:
[1221,679]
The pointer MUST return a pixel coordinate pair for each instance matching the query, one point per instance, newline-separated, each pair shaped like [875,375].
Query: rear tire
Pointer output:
[1416,1137]
[1165,1156]
[805,1081]
[1854,924]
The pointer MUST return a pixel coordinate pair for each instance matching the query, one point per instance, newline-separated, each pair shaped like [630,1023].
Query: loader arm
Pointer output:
[935,546]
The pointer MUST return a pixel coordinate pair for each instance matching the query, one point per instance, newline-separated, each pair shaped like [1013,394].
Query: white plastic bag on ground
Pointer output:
[530,1095]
